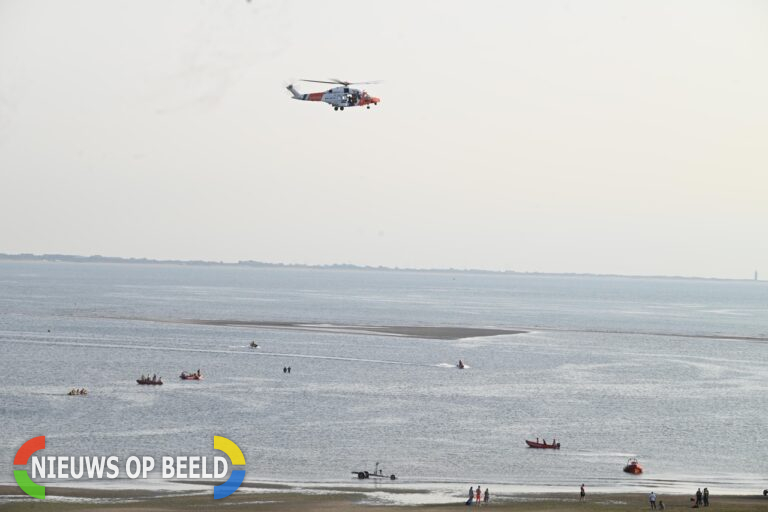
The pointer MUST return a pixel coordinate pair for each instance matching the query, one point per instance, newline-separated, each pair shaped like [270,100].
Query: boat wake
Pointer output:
[238,353]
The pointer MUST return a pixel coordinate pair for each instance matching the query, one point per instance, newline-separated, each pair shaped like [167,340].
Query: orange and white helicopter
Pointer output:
[338,97]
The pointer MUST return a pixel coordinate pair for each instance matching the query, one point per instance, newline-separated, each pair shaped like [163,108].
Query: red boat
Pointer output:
[191,376]
[633,467]
[536,444]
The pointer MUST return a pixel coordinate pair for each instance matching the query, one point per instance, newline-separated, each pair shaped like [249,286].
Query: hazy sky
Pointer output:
[554,136]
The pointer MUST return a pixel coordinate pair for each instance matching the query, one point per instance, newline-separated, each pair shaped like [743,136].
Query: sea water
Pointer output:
[671,371]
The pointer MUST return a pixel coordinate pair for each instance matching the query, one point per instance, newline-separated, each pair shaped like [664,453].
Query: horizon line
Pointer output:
[96,258]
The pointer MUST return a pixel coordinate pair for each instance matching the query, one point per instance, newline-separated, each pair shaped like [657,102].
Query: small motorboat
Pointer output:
[536,444]
[633,467]
[78,392]
[254,345]
[191,376]
[150,381]
[460,366]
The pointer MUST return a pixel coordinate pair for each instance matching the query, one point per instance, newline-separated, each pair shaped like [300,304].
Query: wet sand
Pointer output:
[424,332]
[405,331]
[284,499]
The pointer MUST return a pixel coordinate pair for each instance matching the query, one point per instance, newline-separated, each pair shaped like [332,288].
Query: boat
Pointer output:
[536,444]
[633,467]
[150,381]
[254,344]
[460,366]
[191,376]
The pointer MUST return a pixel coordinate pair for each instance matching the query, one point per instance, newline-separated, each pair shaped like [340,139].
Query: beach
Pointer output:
[277,498]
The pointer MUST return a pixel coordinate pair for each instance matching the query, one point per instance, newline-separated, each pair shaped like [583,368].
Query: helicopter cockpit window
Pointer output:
[346,89]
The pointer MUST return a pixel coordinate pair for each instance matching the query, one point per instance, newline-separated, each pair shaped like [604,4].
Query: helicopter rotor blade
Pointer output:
[318,81]
[355,83]
[339,82]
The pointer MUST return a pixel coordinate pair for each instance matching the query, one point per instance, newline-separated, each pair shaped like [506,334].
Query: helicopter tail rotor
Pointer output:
[296,94]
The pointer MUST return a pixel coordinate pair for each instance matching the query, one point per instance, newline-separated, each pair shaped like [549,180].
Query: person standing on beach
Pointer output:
[582,493]
[698,497]
[477,495]
[652,500]
[471,495]
[705,495]
[487,496]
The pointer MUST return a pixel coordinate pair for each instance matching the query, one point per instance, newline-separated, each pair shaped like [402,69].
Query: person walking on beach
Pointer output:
[487,496]
[477,495]
[698,497]
[582,493]
[471,495]
[652,500]
[705,495]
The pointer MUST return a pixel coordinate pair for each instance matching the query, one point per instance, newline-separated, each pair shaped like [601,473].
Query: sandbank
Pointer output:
[405,331]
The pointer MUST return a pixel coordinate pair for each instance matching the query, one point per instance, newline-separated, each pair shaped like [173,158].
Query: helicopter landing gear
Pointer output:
[342,108]
[335,108]
[368,107]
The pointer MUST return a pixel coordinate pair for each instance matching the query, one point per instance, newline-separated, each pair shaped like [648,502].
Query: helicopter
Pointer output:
[338,97]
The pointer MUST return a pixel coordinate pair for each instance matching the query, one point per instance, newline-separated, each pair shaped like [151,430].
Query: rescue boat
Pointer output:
[536,444]
[633,467]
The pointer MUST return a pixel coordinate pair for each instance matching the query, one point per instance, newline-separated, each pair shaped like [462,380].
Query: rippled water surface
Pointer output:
[674,372]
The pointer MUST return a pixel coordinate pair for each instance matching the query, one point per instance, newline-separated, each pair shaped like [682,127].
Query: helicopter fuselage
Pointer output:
[338,97]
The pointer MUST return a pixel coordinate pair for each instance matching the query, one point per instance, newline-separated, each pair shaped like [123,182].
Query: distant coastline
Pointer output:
[71,258]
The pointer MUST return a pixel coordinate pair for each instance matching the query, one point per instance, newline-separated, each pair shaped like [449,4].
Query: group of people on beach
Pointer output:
[477,497]
[78,391]
[652,501]
[702,498]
